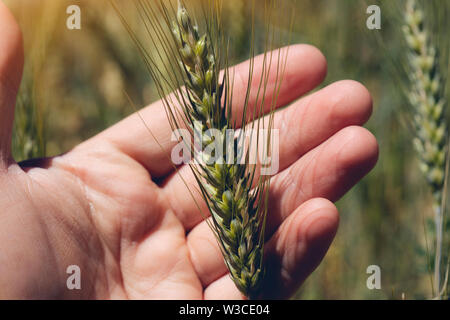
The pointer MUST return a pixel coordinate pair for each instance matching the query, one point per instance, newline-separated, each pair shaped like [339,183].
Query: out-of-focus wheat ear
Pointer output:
[426,95]
[28,140]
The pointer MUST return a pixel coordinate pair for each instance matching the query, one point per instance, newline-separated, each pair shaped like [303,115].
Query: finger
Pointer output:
[298,246]
[223,289]
[314,119]
[11,63]
[306,68]
[292,253]
[302,126]
[327,171]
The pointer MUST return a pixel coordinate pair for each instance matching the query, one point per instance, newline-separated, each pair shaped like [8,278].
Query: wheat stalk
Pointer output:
[426,96]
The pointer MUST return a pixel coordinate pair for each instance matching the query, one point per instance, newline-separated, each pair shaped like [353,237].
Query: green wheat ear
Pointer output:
[185,66]
[237,211]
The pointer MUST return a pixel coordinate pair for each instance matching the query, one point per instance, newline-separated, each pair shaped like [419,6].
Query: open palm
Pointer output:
[115,207]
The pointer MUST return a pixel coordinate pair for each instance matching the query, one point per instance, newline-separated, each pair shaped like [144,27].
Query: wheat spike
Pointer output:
[238,218]
[426,96]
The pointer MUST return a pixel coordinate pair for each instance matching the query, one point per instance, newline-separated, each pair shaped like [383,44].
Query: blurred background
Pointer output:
[73,88]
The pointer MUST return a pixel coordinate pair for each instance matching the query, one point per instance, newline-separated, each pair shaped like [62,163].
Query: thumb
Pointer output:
[11,65]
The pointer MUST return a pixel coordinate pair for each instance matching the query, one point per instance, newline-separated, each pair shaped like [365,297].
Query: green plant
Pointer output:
[28,137]
[186,69]
[238,212]
[426,95]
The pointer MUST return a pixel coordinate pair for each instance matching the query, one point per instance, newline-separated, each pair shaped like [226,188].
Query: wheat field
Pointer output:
[73,88]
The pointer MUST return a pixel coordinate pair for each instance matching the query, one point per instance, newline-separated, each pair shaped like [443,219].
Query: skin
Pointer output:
[114,206]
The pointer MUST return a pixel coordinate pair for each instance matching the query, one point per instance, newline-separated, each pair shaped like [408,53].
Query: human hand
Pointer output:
[115,207]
